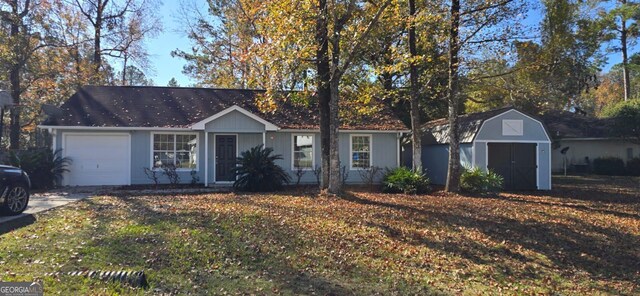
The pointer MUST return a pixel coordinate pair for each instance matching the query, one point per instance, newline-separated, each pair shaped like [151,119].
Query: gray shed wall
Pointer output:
[543,157]
[533,132]
[491,130]
[435,160]
[435,157]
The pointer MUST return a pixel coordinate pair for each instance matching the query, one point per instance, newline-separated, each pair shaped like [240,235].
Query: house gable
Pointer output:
[235,118]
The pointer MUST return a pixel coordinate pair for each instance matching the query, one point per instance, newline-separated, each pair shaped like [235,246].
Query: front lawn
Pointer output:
[575,240]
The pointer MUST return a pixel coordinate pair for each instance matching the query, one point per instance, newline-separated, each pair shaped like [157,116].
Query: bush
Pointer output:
[476,180]
[257,171]
[45,168]
[610,166]
[633,167]
[171,172]
[405,180]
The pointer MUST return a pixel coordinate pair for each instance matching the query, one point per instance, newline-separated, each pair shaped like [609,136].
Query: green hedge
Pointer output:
[633,167]
[610,166]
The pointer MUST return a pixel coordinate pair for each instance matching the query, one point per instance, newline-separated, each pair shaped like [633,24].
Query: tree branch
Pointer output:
[358,43]
[486,7]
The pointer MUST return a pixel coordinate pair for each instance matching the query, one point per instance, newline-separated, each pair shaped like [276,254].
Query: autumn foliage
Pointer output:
[580,239]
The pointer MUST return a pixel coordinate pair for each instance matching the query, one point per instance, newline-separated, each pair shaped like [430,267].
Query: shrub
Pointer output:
[633,167]
[45,168]
[170,171]
[152,175]
[299,174]
[317,172]
[257,171]
[476,180]
[611,166]
[194,177]
[370,174]
[405,180]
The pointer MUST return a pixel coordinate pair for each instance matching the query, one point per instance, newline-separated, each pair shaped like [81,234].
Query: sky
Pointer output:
[165,66]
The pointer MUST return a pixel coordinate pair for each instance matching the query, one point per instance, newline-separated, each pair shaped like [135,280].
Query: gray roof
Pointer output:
[468,126]
[145,106]
[559,125]
[568,125]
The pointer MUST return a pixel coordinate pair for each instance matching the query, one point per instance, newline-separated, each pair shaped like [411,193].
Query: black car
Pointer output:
[14,185]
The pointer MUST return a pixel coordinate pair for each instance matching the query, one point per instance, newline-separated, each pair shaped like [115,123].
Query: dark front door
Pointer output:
[225,157]
[516,163]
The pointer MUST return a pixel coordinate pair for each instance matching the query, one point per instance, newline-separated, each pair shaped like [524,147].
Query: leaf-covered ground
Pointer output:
[582,238]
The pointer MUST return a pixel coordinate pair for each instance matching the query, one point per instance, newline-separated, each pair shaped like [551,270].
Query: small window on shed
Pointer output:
[512,127]
[629,153]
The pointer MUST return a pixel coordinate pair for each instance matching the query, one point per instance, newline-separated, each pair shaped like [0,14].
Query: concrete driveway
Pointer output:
[39,202]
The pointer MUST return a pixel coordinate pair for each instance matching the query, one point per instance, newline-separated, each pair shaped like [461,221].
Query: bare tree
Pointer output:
[108,18]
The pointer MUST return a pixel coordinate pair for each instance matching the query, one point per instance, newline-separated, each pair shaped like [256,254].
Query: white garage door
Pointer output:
[97,159]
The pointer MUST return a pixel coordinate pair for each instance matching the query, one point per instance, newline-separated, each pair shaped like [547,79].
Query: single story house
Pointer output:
[507,141]
[584,138]
[112,133]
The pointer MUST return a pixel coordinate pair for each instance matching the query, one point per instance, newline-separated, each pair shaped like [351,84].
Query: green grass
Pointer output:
[564,242]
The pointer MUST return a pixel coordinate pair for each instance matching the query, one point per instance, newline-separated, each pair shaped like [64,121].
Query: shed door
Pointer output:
[97,159]
[516,163]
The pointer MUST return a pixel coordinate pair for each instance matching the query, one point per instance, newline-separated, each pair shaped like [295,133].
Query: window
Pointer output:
[512,127]
[360,152]
[303,152]
[175,149]
[629,153]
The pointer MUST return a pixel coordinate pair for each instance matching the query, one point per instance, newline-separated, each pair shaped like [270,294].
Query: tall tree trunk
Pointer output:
[78,65]
[97,50]
[124,70]
[416,135]
[1,126]
[14,76]
[14,112]
[324,90]
[453,175]
[625,61]
[335,179]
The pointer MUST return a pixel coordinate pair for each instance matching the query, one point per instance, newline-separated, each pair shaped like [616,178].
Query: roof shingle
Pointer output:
[136,106]
[468,125]
[566,125]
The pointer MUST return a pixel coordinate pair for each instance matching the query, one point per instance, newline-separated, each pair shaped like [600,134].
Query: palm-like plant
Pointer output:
[46,168]
[59,165]
[258,172]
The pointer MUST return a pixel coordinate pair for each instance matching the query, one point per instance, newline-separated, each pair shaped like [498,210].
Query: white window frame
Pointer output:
[513,127]
[313,152]
[351,151]
[197,168]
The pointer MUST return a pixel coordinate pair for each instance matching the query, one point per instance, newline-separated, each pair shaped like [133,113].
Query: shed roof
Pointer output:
[144,106]
[468,125]
[559,124]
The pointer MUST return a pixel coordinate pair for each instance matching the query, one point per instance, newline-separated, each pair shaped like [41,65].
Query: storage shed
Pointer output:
[507,141]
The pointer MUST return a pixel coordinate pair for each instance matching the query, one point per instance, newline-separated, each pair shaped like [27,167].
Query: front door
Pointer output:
[225,157]
[516,163]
